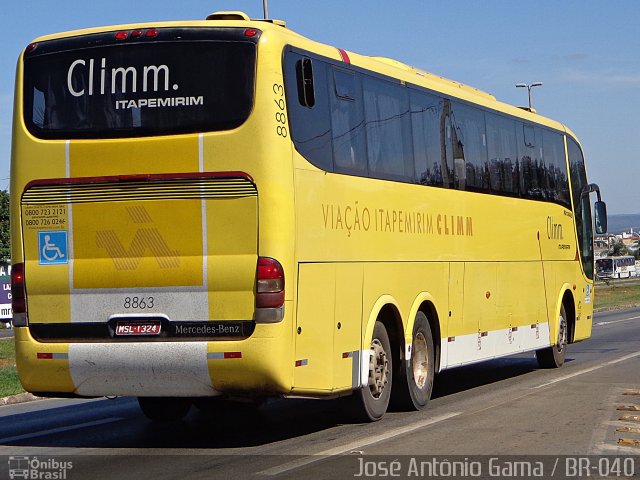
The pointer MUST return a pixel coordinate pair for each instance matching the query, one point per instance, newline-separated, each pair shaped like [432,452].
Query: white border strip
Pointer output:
[205,245]
[70,252]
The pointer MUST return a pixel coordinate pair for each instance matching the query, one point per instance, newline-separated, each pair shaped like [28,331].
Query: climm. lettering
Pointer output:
[454,225]
[554,230]
[153,78]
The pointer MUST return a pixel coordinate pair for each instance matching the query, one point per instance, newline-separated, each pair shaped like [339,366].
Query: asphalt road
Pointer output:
[503,407]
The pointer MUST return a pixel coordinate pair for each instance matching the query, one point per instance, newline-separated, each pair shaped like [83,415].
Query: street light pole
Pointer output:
[529,87]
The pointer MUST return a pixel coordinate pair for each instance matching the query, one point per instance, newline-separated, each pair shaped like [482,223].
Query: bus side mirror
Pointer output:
[600,208]
[600,220]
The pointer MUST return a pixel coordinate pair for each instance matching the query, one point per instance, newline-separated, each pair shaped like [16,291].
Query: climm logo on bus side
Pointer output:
[555,232]
[152,78]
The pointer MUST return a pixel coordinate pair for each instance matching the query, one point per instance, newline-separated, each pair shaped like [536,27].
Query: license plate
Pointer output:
[146,328]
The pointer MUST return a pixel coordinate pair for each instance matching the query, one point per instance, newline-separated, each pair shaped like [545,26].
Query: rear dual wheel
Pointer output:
[371,402]
[413,380]
[417,373]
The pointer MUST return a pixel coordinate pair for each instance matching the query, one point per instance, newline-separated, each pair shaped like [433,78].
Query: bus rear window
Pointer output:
[180,83]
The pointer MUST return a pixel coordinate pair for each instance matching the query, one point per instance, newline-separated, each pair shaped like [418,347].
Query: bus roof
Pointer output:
[383,65]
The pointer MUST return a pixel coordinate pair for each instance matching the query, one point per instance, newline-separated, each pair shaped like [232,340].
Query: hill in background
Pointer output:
[622,223]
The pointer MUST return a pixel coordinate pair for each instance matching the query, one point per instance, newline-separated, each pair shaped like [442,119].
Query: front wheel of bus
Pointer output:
[553,356]
[370,402]
[164,409]
[415,383]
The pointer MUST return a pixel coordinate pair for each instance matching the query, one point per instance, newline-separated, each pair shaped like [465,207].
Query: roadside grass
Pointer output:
[9,383]
[612,296]
[607,297]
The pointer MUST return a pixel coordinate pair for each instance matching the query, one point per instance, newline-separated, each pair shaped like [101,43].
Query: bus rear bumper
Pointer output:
[153,369]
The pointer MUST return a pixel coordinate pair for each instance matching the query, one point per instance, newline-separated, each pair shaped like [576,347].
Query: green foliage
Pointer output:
[619,249]
[616,296]
[9,382]
[5,245]
[7,350]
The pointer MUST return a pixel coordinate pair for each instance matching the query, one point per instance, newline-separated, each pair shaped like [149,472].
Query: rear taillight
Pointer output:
[18,296]
[136,34]
[269,283]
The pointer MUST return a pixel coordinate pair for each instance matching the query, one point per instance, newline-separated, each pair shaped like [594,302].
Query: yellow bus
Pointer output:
[224,208]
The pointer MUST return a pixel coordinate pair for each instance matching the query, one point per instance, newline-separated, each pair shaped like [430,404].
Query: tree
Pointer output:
[619,249]
[5,246]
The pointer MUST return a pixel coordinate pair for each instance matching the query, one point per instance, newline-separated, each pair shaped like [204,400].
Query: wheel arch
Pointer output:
[568,301]
[426,304]
[387,310]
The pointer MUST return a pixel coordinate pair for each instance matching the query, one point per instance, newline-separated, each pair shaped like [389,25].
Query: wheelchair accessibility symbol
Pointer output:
[53,247]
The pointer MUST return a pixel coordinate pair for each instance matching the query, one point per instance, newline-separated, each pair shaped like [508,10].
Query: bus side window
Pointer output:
[469,142]
[426,113]
[581,207]
[310,124]
[388,128]
[347,123]
[555,173]
[531,162]
[529,136]
[501,144]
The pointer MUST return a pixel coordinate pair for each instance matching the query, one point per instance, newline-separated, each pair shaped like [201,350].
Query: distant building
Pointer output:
[603,244]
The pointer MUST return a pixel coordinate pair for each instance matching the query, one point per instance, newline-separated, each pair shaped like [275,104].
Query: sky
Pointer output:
[585,52]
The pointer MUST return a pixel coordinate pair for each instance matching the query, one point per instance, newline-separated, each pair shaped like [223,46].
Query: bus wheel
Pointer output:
[415,383]
[370,403]
[553,357]
[164,409]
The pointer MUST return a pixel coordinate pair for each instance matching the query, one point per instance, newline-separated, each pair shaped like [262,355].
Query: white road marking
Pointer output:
[51,431]
[616,321]
[358,444]
[591,369]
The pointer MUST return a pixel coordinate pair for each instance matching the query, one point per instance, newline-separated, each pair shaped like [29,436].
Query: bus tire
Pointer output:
[414,384]
[370,403]
[164,409]
[553,356]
